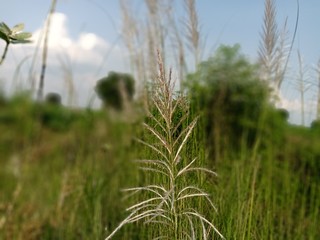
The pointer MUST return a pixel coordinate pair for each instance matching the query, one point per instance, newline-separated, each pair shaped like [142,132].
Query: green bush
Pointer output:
[55,117]
[114,89]
[315,126]
[227,90]
[53,98]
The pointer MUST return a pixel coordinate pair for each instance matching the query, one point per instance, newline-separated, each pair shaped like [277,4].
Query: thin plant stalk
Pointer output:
[45,50]
[318,93]
[4,53]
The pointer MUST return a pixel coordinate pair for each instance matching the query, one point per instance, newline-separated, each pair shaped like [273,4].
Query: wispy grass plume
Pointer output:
[171,203]
[318,84]
[193,31]
[302,85]
[275,47]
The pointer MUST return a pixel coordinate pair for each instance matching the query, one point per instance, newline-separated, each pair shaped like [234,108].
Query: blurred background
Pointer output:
[82,100]
[87,40]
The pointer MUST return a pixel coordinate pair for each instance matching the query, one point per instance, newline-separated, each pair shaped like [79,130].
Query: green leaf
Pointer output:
[5,29]
[21,36]
[17,28]
[4,37]
[20,41]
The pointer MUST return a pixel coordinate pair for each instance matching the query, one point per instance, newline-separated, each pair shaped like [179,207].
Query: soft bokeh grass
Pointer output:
[60,178]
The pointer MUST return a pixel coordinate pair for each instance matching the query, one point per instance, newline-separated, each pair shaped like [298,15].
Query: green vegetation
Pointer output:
[227,90]
[214,161]
[62,170]
[115,90]
[12,36]
[174,201]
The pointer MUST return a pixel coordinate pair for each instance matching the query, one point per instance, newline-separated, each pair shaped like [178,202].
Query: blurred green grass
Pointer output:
[62,171]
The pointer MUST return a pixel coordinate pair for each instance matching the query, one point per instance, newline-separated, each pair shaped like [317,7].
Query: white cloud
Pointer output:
[88,41]
[84,56]
[87,48]
[59,36]
[293,106]
[289,104]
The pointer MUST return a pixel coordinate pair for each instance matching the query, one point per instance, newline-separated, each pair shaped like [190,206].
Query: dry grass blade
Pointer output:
[124,222]
[197,169]
[198,191]
[160,166]
[148,188]
[161,125]
[160,138]
[193,234]
[144,204]
[188,130]
[164,111]
[186,167]
[154,149]
[203,219]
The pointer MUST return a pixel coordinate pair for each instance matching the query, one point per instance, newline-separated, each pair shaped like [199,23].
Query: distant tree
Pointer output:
[315,125]
[115,89]
[284,114]
[53,98]
[227,90]
[2,98]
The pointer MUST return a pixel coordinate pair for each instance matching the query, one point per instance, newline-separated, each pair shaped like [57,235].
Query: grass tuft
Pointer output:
[171,202]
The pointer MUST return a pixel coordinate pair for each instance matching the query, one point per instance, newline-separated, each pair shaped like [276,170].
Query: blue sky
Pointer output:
[79,22]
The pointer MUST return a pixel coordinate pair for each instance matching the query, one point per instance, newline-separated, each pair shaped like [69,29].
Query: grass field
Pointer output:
[62,171]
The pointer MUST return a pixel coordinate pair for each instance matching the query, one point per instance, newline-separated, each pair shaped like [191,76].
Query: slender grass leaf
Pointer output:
[189,130]
[194,169]
[20,41]
[199,191]
[163,114]
[4,37]
[160,164]
[153,148]
[148,213]
[21,36]
[144,204]
[186,167]
[193,233]
[161,237]
[186,235]
[17,28]
[124,222]
[203,219]
[185,132]
[159,124]
[154,171]
[5,29]
[204,230]
[160,137]
[182,119]
[151,188]
[193,195]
